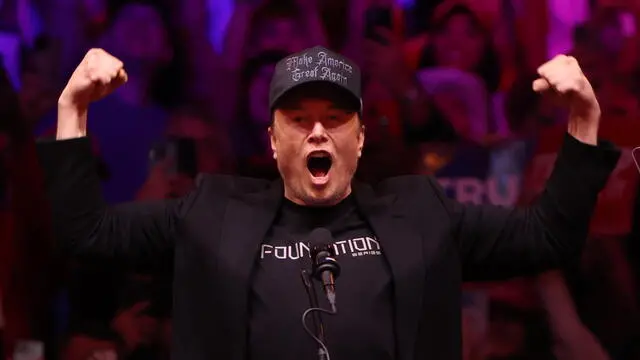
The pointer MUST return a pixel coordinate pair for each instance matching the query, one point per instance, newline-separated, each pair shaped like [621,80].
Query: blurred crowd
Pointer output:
[447,91]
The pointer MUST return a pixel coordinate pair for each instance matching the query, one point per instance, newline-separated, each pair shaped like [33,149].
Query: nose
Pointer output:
[318,133]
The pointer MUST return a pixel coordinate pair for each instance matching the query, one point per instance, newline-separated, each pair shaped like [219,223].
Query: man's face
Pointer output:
[140,34]
[317,147]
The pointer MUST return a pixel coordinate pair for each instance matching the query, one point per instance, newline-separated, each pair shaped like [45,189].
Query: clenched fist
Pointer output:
[97,76]
[563,77]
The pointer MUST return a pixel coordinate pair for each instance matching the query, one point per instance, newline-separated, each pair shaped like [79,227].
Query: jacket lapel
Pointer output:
[403,250]
[247,220]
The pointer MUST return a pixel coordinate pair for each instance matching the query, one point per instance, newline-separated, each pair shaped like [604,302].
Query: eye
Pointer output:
[335,116]
[296,116]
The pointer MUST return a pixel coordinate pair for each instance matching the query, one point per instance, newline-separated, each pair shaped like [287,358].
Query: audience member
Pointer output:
[249,132]
[461,41]
[138,35]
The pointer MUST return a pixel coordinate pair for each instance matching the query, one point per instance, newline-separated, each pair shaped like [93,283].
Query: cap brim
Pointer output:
[318,89]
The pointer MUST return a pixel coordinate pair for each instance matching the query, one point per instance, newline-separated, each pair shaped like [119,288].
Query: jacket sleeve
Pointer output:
[496,242]
[84,225]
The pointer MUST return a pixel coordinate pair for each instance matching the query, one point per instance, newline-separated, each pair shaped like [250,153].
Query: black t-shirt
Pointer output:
[363,327]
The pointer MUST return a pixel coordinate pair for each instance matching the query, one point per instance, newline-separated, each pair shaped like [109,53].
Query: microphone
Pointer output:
[325,267]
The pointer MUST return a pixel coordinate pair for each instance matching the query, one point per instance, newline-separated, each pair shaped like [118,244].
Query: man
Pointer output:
[404,248]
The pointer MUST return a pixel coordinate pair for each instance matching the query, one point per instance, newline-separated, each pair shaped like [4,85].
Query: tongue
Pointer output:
[316,172]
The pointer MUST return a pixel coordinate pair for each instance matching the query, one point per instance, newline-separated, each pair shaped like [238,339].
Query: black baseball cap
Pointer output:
[317,69]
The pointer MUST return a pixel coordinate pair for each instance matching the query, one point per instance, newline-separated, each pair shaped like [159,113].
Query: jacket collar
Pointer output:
[402,248]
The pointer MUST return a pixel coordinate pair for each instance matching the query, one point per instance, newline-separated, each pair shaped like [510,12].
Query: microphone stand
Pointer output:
[316,317]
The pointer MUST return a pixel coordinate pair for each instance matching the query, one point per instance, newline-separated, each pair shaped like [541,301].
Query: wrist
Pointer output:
[72,120]
[584,127]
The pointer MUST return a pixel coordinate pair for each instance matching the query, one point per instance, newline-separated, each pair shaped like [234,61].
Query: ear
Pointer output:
[360,141]
[272,141]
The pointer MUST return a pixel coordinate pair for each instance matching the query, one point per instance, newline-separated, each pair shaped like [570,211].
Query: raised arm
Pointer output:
[83,224]
[497,242]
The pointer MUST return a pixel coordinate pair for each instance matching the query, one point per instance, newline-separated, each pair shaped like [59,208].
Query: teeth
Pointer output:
[318,154]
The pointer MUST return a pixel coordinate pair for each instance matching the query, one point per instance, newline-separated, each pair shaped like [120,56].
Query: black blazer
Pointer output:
[430,242]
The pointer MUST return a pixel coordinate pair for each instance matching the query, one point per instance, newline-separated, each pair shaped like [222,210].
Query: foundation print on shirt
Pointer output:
[356,247]
[363,327]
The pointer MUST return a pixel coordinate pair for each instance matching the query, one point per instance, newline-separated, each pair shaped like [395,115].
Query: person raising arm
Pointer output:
[125,231]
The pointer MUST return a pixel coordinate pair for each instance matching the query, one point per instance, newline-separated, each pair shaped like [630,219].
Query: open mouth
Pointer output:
[319,163]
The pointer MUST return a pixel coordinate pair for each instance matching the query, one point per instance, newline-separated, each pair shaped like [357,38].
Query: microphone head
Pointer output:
[320,238]
[322,253]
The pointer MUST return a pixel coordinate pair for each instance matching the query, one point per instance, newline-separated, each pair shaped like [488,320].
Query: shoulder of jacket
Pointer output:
[226,184]
[407,183]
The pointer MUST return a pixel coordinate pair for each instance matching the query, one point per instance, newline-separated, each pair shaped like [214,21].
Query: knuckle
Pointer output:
[566,86]
[90,64]
[92,72]
[95,51]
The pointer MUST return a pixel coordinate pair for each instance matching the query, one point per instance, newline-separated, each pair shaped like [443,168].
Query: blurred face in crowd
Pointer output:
[613,88]
[38,93]
[139,34]
[617,99]
[135,327]
[317,144]
[37,96]
[460,43]
[607,26]
[278,33]
[259,96]
[208,140]
[592,64]
[83,347]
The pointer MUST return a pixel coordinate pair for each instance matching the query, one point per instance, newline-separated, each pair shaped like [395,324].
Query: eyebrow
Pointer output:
[347,111]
